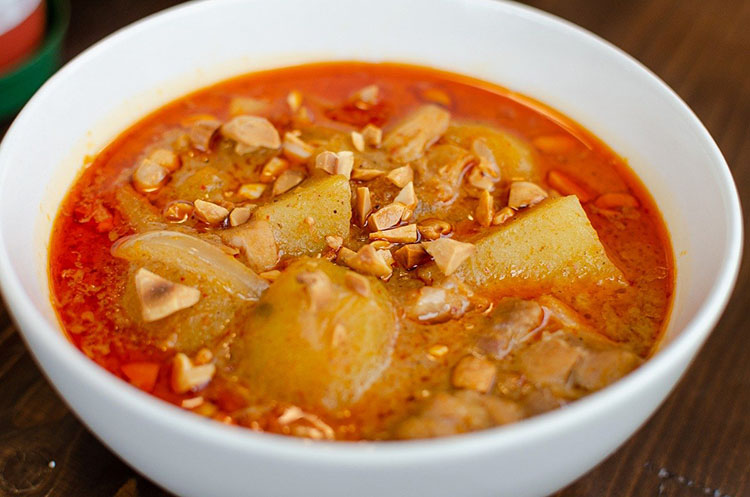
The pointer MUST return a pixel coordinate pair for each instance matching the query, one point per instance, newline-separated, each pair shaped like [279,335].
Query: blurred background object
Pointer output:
[31,35]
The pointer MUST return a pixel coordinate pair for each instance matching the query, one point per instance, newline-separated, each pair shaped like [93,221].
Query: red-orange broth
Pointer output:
[475,349]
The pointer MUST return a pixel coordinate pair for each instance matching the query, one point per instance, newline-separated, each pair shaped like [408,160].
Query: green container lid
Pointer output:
[17,86]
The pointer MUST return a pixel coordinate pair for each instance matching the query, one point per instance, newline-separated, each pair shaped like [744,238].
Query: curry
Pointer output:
[353,251]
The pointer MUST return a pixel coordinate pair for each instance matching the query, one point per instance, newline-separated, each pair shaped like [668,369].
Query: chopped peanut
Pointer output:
[402,234]
[327,161]
[367,261]
[209,213]
[240,215]
[318,287]
[386,255]
[186,377]
[271,275]
[160,297]
[294,100]
[565,185]
[485,211]
[250,133]
[387,217]
[149,176]
[525,194]
[367,95]
[334,242]
[202,132]
[364,204]
[288,180]
[410,256]
[357,283]
[616,201]
[251,191]
[362,174]
[345,163]
[296,149]
[178,211]
[358,141]
[432,228]
[373,135]
[165,158]
[474,373]
[408,197]
[273,169]
[401,176]
[503,215]
[448,253]
[438,350]
[256,241]
[310,221]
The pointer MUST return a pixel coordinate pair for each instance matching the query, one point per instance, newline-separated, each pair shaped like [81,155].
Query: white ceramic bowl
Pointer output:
[153,61]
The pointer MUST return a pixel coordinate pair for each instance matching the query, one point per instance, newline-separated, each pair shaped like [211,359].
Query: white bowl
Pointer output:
[154,61]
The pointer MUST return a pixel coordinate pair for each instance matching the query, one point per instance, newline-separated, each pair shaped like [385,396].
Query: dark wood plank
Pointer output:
[697,444]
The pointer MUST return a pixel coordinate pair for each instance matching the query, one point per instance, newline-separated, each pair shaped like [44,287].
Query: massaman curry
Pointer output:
[360,251]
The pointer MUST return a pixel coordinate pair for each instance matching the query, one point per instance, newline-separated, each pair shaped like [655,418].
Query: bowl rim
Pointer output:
[34,327]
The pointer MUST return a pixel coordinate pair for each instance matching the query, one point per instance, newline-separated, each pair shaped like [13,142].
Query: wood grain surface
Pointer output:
[698,442]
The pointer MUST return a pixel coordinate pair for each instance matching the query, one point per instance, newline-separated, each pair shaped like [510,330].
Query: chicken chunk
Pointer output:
[410,138]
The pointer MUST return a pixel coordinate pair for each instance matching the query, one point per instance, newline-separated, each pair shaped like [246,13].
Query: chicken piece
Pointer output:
[474,373]
[599,368]
[256,241]
[437,304]
[160,297]
[550,361]
[509,324]
[460,412]
[250,133]
[440,172]
[410,138]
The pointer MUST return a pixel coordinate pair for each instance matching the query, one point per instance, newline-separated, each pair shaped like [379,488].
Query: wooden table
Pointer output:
[697,444]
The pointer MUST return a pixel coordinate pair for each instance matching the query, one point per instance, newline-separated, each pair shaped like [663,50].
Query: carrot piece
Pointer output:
[563,184]
[616,201]
[141,374]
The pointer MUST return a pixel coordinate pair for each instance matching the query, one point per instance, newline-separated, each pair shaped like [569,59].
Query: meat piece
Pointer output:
[549,361]
[460,412]
[202,132]
[409,139]
[256,241]
[160,297]
[250,133]
[474,373]
[295,148]
[448,253]
[436,304]
[441,171]
[599,368]
[510,323]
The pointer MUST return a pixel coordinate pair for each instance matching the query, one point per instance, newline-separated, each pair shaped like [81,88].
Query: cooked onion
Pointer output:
[192,255]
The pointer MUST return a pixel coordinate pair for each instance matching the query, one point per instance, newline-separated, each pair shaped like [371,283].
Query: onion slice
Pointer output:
[193,255]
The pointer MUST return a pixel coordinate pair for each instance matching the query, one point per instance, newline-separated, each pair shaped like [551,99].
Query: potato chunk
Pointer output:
[314,341]
[551,245]
[326,200]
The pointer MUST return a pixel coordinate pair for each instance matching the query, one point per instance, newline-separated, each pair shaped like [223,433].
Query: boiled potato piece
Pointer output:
[515,158]
[325,200]
[319,336]
[550,245]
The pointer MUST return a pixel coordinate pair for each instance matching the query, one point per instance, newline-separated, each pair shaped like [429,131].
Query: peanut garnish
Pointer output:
[273,169]
[202,132]
[474,373]
[373,135]
[367,261]
[616,201]
[209,213]
[296,149]
[250,133]
[345,163]
[240,215]
[401,176]
[503,215]
[432,228]
[286,181]
[318,287]
[525,194]
[387,256]
[358,141]
[363,174]
[408,197]
[357,283]
[160,297]
[165,158]
[186,377]
[178,211]
[448,253]
[364,204]
[271,275]
[251,191]
[334,242]
[327,161]
[486,173]
[402,234]
[367,95]
[485,211]
[565,185]
[149,176]
[410,256]
[294,100]
[387,217]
